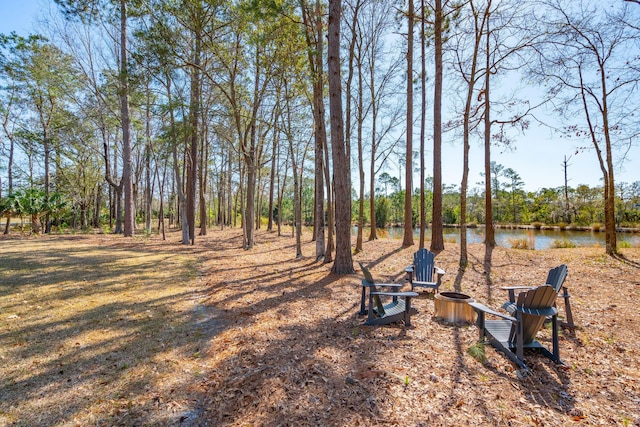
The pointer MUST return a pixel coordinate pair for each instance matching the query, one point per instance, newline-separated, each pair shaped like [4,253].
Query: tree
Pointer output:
[514,185]
[468,67]
[374,63]
[314,37]
[356,53]
[88,9]
[423,116]
[407,239]
[343,263]
[9,107]
[585,58]
[41,81]
[437,238]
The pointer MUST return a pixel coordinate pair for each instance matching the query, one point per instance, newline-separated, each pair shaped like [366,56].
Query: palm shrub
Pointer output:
[34,203]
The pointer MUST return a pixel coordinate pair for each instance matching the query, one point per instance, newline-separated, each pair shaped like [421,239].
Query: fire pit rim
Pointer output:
[456,296]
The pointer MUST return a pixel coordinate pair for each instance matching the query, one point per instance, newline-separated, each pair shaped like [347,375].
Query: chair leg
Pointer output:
[407,311]
[555,340]
[363,310]
[519,338]
[370,315]
[567,308]
[480,324]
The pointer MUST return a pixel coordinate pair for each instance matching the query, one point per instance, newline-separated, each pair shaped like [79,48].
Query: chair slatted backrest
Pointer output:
[540,297]
[372,287]
[557,276]
[423,263]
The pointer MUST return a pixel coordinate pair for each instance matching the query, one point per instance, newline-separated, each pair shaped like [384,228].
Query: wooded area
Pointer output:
[126,115]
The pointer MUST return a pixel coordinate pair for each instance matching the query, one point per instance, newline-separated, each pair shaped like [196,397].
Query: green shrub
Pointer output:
[537,225]
[562,226]
[624,244]
[596,226]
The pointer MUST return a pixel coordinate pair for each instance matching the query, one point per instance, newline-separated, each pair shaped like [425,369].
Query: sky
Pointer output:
[537,157]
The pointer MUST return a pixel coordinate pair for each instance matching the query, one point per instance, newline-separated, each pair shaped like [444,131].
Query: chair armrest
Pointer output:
[421,283]
[515,288]
[390,285]
[547,311]
[483,308]
[439,271]
[375,285]
[512,289]
[396,294]
[409,269]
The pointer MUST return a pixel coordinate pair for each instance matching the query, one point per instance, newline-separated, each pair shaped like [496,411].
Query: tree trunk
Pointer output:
[372,194]
[319,193]
[343,263]
[490,239]
[611,243]
[127,178]
[348,90]
[297,205]
[36,226]
[471,80]
[359,141]
[176,168]
[147,191]
[437,237]
[203,172]
[423,113]
[7,228]
[408,214]
[272,178]
[331,222]
[47,176]
[194,119]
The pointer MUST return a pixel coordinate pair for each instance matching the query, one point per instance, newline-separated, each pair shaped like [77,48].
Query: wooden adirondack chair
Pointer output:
[423,272]
[556,279]
[399,309]
[511,334]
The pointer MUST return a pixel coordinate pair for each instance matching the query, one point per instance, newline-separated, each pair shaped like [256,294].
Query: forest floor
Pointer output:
[99,330]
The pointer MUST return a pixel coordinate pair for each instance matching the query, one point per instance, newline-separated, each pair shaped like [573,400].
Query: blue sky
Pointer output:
[18,15]
[537,157]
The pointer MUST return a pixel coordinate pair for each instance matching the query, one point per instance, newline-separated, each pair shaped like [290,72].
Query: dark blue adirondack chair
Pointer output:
[378,313]
[423,273]
[512,333]
[555,279]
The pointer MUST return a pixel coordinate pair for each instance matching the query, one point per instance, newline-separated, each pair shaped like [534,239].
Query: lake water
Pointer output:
[543,239]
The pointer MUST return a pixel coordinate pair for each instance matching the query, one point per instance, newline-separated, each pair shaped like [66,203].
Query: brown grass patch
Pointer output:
[101,330]
[97,330]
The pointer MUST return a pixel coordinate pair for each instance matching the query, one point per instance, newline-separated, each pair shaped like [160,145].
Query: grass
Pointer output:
[477,351]
[91,330]
[563,244]
[522,243]
[100,331]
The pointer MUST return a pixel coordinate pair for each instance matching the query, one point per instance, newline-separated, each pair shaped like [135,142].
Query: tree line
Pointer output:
[203,113]
[581,206]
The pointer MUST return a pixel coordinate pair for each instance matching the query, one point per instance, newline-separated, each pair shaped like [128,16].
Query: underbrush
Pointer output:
[562,244]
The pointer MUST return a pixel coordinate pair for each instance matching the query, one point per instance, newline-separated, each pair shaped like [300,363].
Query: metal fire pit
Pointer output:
[454,307]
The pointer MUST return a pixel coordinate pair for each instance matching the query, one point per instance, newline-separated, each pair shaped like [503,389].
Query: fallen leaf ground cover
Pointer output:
[102,330]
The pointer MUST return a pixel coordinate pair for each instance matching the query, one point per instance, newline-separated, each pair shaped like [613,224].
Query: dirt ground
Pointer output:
[147,332]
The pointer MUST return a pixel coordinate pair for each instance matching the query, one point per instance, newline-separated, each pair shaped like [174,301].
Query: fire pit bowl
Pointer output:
[453,307]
